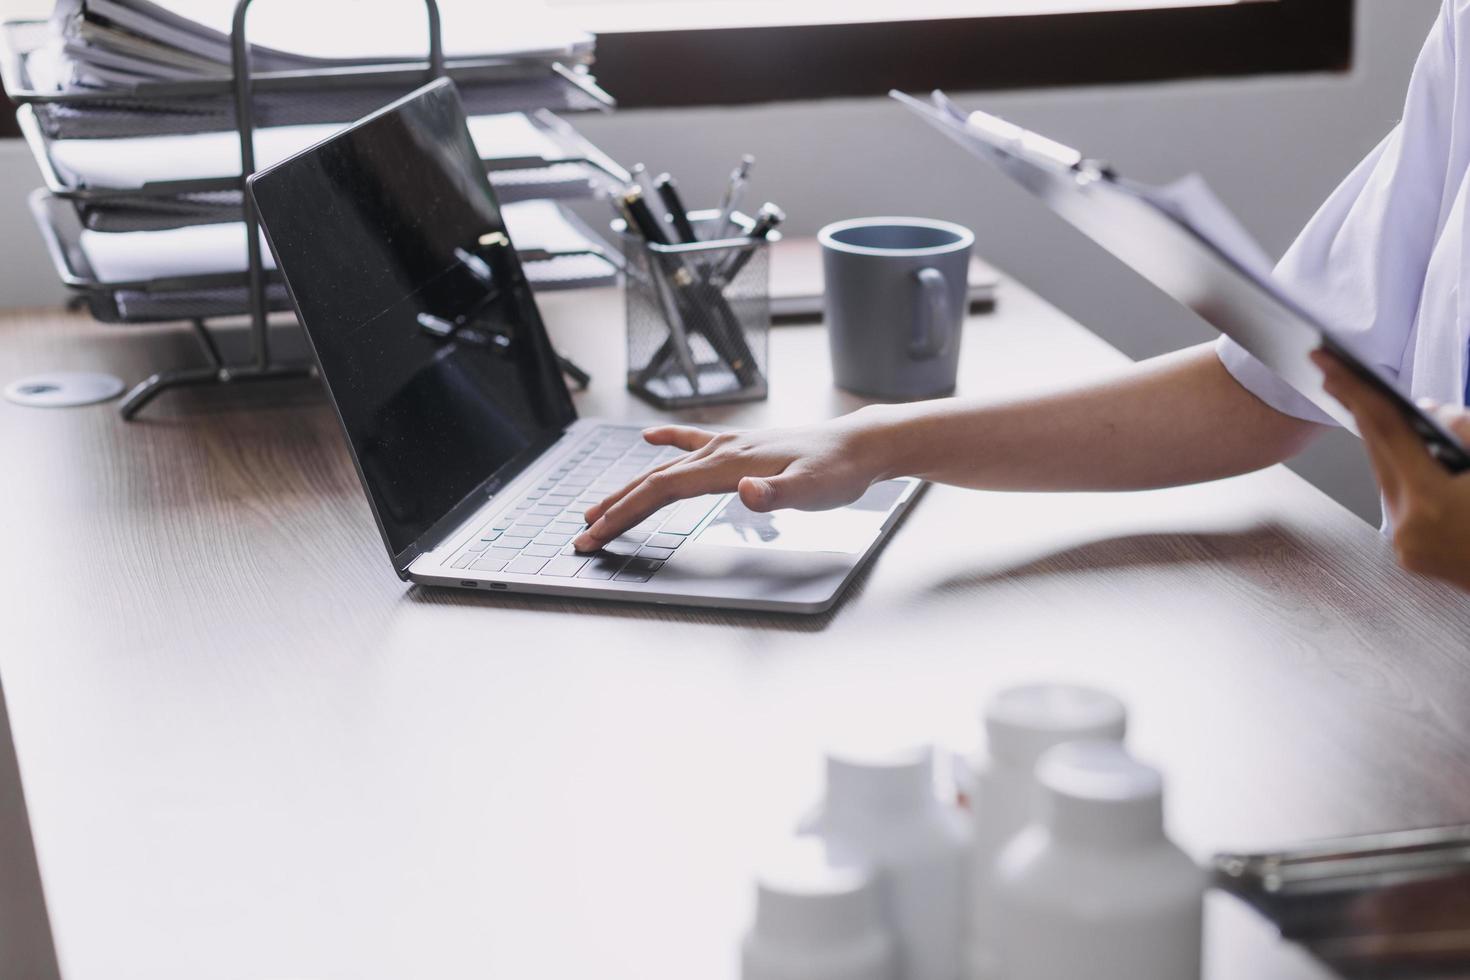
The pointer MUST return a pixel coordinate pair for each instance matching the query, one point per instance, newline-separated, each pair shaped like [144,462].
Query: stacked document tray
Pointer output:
[177,80]
[127,111]
[131,111]
[144,183]
[193,271]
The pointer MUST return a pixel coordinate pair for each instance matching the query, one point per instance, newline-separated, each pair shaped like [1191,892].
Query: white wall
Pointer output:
[1273,148]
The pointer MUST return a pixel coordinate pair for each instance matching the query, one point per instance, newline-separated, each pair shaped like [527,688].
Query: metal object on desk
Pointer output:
[1383,905]
[339,92]
[692,339]
[238,101]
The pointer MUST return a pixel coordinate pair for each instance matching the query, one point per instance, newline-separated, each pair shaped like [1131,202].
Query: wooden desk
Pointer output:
[249,751]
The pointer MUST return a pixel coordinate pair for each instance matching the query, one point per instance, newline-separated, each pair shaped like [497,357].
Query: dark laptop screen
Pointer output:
[391,241]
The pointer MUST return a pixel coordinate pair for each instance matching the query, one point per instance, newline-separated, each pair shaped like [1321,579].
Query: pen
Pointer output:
[640,216]
[732,344]
[766,221]
[720,327]
[641,219]
[645,183]
[733,192]
[668,192]
[719,323]
[726,335]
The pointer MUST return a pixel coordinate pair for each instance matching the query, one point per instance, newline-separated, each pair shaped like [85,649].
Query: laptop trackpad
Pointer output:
[847,530]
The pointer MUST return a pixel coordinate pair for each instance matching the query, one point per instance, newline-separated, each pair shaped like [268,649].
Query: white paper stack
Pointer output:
[204,250]
[134,162]
[110,43]
[128,108]
[116,68]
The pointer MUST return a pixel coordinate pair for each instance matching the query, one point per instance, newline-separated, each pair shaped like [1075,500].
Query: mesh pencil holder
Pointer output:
[699,316]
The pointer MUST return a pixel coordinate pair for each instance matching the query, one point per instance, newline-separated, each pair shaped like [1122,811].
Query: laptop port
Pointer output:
[468,583]
[499,585]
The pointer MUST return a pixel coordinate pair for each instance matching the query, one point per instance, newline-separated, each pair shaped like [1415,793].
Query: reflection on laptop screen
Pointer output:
[392,244]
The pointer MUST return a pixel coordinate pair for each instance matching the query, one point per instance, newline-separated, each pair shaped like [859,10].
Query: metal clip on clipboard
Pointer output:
[1181,239]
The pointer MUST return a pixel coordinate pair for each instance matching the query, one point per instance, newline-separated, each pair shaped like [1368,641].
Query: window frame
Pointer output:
[739,66]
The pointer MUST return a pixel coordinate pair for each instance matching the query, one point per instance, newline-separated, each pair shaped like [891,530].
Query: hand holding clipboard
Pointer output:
[1185,242]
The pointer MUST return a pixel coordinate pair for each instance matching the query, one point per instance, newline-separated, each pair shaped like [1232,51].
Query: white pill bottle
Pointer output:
[1093,887]
[1020,724]
[815,920]
[881,809]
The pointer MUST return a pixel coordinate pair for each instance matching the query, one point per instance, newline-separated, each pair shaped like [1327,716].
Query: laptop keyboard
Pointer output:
[534,537]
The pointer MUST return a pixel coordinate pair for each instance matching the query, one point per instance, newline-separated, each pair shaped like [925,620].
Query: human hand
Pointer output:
[1428,507]
[815,467]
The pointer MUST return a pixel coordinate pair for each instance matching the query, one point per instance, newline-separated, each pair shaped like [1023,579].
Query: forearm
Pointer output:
[1176,419]
[1173,420]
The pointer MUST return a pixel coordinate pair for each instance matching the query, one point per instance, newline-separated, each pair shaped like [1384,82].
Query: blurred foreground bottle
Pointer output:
[815,920]
[1021,724]
[881,810]
[1093,888]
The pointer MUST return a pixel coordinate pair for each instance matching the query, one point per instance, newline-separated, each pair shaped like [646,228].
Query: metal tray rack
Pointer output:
[576,169]
[337,94]
[225,293]
[242,102]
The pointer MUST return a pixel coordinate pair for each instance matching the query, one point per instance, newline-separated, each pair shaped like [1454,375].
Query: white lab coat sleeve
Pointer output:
[1361,261]
[1262,382]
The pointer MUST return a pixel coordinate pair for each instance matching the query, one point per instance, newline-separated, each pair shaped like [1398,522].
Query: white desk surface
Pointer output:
[249,751]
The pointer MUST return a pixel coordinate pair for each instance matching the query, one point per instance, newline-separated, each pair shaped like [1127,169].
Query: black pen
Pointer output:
[668,192]
[723,327]
[641,219]
[640,216]
[644,182]
[766,221]
[729,338]
[720,326]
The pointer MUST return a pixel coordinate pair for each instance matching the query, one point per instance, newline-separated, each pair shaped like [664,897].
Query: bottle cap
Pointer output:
[805,900]
[879,779]
[1098,793]
[1023,722]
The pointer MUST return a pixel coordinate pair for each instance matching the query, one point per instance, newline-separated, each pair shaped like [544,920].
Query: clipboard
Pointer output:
[1183,241]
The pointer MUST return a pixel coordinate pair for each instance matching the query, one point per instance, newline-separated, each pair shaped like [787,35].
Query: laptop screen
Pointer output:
[392,244]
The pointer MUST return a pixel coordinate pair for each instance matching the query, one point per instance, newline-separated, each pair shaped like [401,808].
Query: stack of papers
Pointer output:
[149,183]
[129,109]
[119,43]
[563,182]
[132,162]
[205,250]
[111,68]
[142,306]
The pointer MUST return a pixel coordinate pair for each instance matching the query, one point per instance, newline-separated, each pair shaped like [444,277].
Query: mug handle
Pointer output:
[933,328]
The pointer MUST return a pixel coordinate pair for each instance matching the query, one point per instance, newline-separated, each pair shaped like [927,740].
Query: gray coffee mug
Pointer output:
[897,290]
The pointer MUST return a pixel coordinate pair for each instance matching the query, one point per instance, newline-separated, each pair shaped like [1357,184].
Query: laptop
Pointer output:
[462,429]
